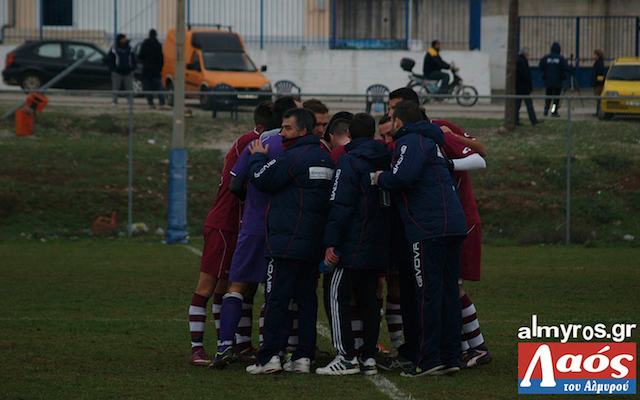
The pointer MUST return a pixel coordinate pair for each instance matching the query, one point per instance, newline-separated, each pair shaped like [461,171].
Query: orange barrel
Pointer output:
[24,122]
[37,101]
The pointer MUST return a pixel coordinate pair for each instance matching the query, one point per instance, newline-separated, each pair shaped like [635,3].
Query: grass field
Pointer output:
[98,318]
[75,170]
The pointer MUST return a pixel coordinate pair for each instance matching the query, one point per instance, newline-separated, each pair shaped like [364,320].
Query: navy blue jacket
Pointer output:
[356,225]
[433,62]
[554,67]
[426,193]
[299,181]
[121,59]
[523,76]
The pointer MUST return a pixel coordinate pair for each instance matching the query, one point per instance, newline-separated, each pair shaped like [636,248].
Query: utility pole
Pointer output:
[177,213]
[512,49]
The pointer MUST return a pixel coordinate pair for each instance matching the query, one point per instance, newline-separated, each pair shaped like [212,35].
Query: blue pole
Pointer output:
[406,41]
[188,14]
[115,20]
[335,16]
[577,45]
[261,24]
[41,17]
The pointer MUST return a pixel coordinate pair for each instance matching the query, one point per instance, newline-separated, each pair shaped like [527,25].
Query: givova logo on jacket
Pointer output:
[577,368]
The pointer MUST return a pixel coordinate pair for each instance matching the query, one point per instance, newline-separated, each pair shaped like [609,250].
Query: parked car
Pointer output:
[33,64]
[623,79]
[213,57]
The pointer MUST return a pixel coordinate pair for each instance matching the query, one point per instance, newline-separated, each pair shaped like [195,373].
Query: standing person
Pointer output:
[597,75]
[435,226]
[299,181]
[153,60]
[524,86]
[554,68]
[353,231]
[433,64]
[220,234]
[121,62]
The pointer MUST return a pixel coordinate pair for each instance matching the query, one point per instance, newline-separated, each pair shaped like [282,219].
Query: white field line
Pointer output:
[383,384]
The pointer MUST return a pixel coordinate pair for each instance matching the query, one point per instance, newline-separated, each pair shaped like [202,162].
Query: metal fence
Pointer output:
[356,103]
[616,36]
[337,24]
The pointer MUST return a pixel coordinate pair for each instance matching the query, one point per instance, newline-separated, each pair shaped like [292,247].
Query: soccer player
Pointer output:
[299,181]
[220,234]
[322,115]
[353,230]
[435,226]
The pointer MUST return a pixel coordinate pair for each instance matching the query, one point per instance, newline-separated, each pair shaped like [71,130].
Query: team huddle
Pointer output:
[303,196]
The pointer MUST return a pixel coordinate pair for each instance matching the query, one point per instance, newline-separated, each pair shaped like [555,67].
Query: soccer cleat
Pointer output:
[248,355]
[473,357]
[368,366]
[222,358]
[391,363]
[271,367]
[340,366]
[299,366]
[200,358]
[417,371]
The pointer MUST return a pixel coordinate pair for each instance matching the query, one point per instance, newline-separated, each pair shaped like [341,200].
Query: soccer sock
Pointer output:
[197,319]
[471,332]
[261,325]
[243,332]
[292,342]
[230,314]
[394,320]
[356,328]
[215,309]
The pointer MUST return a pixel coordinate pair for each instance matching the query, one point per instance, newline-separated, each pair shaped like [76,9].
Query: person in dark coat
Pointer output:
[299,181]
[432,66]
[435,225]
[597,74]
[121,62]
[152,58]
[357,247]
[554,68]
[524,86]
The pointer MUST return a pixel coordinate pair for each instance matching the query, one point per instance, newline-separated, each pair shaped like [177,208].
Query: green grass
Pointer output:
[98,318]
[76,169]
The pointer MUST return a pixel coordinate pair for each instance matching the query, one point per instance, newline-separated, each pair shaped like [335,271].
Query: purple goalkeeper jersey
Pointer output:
[256,202]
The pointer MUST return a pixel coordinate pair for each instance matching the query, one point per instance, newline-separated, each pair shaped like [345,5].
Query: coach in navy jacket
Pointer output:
[435,226]
[299,181]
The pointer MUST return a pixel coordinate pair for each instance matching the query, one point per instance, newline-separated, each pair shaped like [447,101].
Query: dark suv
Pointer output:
[33,64]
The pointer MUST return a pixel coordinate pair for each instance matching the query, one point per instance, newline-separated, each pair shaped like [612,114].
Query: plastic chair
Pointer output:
[104,225]
[377,94]
[226,101]
[286,87]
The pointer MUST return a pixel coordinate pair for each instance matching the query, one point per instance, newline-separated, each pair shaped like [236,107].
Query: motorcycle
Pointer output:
[426,88]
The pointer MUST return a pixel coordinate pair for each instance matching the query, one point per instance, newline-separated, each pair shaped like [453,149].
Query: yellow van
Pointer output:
[623,79]
[212,57]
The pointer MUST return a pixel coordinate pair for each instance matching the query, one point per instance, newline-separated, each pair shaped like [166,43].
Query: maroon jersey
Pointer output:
[227,208]
[454,148]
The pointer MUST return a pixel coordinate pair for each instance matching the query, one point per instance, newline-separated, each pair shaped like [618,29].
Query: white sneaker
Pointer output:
[340,366]
[368,366]
[299,366]
[271,367]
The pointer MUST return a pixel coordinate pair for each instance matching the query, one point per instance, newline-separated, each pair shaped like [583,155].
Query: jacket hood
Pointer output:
[555,48]
[369,149]
[423,128]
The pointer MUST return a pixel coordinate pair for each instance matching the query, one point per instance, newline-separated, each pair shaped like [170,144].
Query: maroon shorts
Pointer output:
[471,254]
[218,251]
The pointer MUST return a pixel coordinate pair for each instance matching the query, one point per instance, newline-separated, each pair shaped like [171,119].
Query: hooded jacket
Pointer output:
[553,67]
[357,225]
[121,59]
[425,191]
[433,62]
[151,57]
[299,181]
